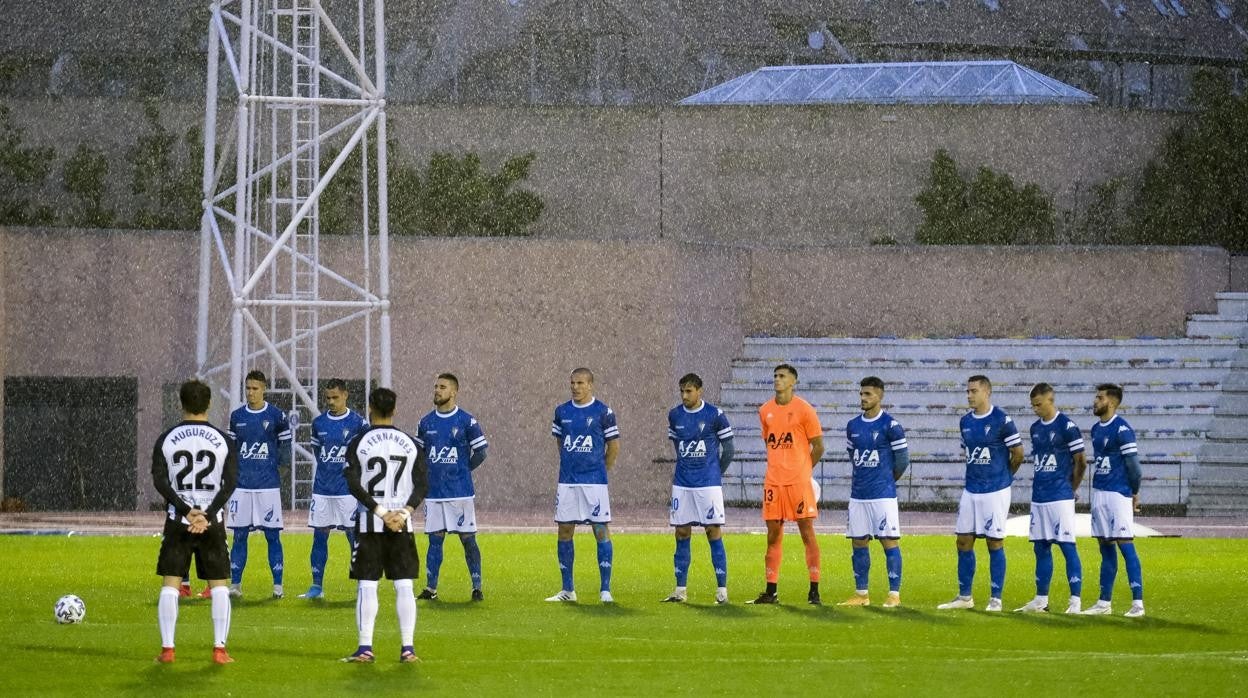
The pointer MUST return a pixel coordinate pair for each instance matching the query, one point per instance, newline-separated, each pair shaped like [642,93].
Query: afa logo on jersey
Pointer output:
[866,459]
[780,441]
[444,455]
[1045,464]
[334,454]
[1103,465]
[691,449]
[980,455]
[578,444]
[255,449]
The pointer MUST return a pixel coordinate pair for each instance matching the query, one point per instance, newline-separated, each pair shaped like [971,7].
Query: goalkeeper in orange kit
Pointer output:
[794,444]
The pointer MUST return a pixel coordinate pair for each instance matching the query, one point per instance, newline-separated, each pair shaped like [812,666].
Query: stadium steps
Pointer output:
[1230,322]
[1175,396]
[1221,486]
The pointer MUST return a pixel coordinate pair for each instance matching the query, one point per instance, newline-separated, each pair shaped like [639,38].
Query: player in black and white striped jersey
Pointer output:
[385,474]
[195,468]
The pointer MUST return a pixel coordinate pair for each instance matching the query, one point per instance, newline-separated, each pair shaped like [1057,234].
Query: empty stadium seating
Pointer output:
[1187,398]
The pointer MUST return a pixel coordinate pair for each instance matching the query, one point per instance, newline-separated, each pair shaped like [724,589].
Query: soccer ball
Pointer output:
[69,609]
[814,484]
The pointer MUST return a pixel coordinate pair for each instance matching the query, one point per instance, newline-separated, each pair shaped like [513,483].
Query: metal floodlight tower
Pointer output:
[290,117]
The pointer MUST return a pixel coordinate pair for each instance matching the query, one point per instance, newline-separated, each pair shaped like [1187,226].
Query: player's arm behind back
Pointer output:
[229,481]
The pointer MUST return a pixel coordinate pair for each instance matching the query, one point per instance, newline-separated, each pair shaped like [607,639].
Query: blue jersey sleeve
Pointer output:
[1126,440]
[723,429]
[897,436]
[282,425]
[1074,437]
[610,431]
[475,435]
[1009,433]
[420,437]
[556,429]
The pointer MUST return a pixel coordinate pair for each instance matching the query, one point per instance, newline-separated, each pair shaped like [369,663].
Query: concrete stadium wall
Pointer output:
[512,317]
[754,176]
[4,244]
[1239,273]
[985,291]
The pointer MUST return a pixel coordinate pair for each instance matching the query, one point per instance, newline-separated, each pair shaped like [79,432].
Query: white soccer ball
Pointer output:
[818,490]
[69,609]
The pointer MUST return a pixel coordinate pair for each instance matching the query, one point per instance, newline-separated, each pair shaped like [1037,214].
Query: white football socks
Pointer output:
[220,615]
[405,607]
[167,614]
[366,611]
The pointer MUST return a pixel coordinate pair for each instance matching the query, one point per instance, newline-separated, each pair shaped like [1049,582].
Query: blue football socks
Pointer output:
[996,571]
[860,560]
[1135,575]
[472,556]
[238,555]
[966,571]
[1109,569]
[1044,566]
[681,559]
[320,555]
[566,552]
[274,538]
[1074,568]
[433,560]
[605,553]
[892,563]
[719,559]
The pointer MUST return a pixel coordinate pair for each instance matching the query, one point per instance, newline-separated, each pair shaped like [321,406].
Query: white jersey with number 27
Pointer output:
[386,457]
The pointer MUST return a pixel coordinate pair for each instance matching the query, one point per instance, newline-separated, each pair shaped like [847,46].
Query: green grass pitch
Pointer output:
[1194,640]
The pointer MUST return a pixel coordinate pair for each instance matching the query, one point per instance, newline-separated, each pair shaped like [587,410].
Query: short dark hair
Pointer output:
[256,375]
[449,378]
[691,379]
[584,371]
[872,382]
[785,367]
[336,384]
[1112,390]
[980,378]
[381,401]
[195,397]
[1041,389]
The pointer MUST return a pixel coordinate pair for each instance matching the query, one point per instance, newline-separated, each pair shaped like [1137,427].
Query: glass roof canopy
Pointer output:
[958,82]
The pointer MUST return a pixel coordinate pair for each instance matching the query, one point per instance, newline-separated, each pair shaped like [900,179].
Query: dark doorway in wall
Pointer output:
[70,442]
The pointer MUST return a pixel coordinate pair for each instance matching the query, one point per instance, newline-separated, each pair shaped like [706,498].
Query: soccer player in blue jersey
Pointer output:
[1057,452]
[702,436]
[263,435]
[588,442]
[453,445]
[1115,495]
[332,503]
[880,455]
[994,450]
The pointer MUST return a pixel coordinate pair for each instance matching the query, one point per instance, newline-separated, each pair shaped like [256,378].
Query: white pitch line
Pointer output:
[994,658]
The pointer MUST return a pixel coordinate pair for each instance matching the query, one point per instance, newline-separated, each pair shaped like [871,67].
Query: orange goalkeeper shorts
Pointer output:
[789,502]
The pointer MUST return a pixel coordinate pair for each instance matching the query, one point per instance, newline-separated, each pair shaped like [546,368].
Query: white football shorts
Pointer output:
[1112,515]
[582,504]
[873,518]
[697,506]
[452,515]
[1053,521]
[254,509]
[983,514]
[333,511]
